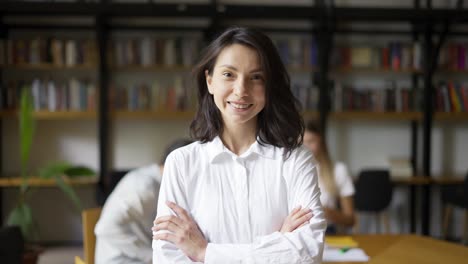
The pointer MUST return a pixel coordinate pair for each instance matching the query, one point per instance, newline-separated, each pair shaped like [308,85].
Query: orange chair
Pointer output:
[89,218]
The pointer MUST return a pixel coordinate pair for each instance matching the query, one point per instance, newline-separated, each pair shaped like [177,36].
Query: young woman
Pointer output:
[247,190]
[335,183]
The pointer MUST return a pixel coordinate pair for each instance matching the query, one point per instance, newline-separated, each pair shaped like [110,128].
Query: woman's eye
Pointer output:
[227,74]
[257,77]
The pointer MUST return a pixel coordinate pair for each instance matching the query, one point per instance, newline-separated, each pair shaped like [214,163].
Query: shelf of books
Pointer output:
[374,71]
[451,101]
[51,98]
[39,182]
[397,57]
[49,53]
[152,68]
[169,115]
[51,67]
[58,115]
[350,115]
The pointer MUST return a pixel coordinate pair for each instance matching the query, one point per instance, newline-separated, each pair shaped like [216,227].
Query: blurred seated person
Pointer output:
[123,231]
[336,185]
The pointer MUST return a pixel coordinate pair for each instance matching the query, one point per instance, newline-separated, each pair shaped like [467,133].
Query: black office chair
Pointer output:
[455,196]
[11,245]
[373,195]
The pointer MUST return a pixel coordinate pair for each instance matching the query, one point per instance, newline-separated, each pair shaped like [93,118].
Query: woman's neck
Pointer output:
[239,139]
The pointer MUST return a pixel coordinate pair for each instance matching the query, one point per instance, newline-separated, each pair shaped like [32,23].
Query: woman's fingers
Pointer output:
[303,219]
[179,211]
[167,237]
[169,226]
[301,213]
[295,210]
[168,218]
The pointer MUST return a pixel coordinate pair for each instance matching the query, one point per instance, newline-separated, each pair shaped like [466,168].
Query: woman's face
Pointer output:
[238,85]
[312,142]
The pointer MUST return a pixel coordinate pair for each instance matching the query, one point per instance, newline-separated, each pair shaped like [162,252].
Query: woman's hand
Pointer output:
[184,233]
[297,218]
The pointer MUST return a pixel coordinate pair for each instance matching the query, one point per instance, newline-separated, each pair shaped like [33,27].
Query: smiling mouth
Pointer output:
[240,106]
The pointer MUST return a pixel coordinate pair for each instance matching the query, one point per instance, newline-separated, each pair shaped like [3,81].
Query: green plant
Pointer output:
[21,214]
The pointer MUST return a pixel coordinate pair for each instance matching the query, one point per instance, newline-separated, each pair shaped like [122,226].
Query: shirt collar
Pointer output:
[217,149]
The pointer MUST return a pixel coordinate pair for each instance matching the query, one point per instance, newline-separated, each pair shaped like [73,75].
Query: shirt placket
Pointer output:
[243,200]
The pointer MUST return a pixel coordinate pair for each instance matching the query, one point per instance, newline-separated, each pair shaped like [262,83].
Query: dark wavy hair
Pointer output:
[279,123]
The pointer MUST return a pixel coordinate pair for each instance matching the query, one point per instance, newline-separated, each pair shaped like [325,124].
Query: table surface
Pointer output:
[414,249]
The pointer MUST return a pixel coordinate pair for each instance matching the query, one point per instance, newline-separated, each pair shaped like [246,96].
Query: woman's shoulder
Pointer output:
[304,153]
[300,155]
[186,151]
[339,165]
[341,170]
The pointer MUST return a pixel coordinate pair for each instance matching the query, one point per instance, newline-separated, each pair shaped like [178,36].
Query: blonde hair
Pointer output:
[326,170]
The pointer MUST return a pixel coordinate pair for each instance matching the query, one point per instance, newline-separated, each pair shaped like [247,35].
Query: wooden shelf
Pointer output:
[153,68]
[293,69]
[417,180]
[447,180]
[310,114]
[180,115]
[350,70]
[421,180]
[7,113]
[447,71]
[50,67]
[59,115]
[35,181]
[451,116]
[365,115]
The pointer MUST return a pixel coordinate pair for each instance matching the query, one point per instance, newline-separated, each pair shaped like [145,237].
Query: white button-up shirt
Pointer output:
[240,203]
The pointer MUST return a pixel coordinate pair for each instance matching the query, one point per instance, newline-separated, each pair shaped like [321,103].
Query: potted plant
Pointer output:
[22,215]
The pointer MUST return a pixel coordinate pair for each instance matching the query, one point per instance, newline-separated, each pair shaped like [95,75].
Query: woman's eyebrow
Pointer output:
[258,70]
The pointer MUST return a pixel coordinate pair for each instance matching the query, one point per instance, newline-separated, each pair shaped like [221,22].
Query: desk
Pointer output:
[411,249]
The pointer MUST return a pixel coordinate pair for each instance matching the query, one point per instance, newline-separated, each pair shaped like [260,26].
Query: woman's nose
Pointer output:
[240,88]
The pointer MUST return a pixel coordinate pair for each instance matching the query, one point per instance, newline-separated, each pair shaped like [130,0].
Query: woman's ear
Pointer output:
[209,79]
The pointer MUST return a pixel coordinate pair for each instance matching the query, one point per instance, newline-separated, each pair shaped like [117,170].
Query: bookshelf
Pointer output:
[159,115]
[152,68]
[325,20]
[38,182]
[381,116]
[59,115]
[50,67]
[451,116]
[370,71]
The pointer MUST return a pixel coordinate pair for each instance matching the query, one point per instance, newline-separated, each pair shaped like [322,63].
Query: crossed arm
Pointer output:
[179,240]
[185,234]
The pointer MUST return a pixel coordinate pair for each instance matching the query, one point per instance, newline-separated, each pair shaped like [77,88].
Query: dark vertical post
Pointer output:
[324,41]
[414,135]
[215,26]
[3,35]
[427,125]
[103,108]
[414,155]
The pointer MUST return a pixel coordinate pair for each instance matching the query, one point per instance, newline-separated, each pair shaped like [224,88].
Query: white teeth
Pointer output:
[240,106]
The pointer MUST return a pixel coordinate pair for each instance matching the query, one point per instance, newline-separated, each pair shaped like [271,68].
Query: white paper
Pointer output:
[336,255]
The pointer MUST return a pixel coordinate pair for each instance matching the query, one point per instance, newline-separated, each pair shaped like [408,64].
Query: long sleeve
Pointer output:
[172,189]
[304,245]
